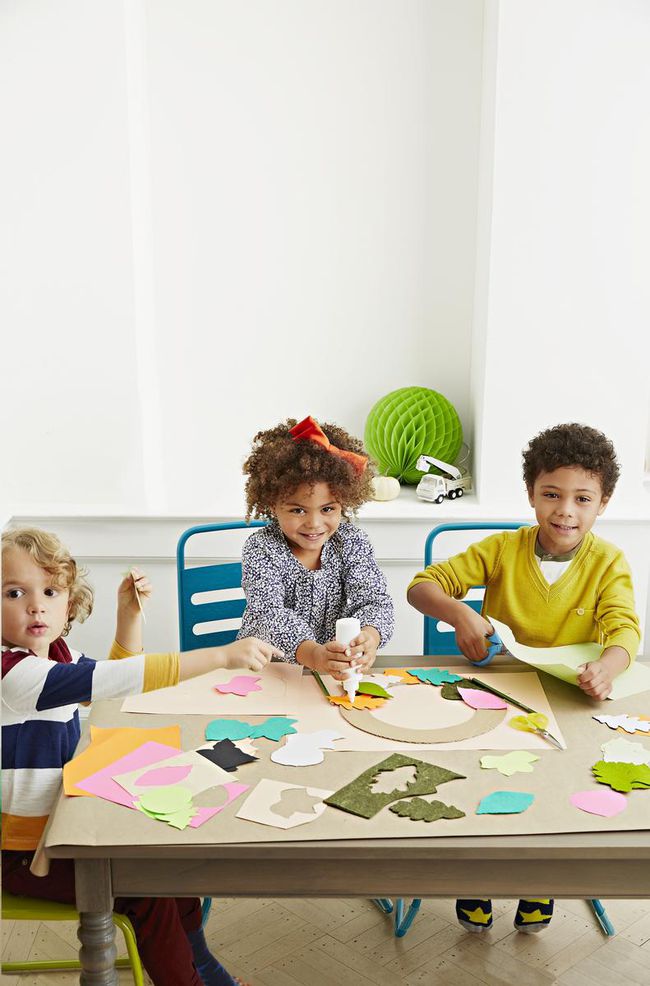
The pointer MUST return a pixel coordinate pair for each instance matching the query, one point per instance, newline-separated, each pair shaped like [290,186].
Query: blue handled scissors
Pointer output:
[495,645]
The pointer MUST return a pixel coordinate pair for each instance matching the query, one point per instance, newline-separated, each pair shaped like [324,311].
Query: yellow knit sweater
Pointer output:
[592,600]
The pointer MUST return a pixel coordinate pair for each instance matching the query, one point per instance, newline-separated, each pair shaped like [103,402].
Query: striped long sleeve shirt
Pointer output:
[40,722]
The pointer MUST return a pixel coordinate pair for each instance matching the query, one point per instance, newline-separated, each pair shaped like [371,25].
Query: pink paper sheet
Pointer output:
[233,790]
[102,784]
[477,699]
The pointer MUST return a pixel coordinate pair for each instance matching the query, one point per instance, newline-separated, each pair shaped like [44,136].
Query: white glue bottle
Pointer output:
[346,630]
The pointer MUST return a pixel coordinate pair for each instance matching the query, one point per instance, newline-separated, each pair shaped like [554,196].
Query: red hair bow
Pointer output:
[309,430]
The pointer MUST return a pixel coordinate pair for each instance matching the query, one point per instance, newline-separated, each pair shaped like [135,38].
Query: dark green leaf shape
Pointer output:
[358,798]
[450,689]
[419,810]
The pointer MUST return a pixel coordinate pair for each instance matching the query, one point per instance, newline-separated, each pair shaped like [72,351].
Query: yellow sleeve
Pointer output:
[476,566]
[615,614]
[160,670]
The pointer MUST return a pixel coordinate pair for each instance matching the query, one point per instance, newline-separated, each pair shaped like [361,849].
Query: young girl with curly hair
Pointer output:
[312,565]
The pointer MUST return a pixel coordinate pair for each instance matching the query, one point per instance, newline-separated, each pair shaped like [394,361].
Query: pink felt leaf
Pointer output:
[242,684]
[477,699]
[601,802]
[163,776]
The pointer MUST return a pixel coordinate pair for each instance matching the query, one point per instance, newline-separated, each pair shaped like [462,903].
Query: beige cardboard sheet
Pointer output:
[280,695]
[557,775]
[421,707]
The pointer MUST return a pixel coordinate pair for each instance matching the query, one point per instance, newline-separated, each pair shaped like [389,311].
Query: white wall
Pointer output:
[224,214]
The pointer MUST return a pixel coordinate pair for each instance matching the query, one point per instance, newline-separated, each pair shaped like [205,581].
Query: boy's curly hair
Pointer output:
[572,445]
[49,554]
[278,465]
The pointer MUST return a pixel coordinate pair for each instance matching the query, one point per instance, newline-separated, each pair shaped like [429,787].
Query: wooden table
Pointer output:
[582,865]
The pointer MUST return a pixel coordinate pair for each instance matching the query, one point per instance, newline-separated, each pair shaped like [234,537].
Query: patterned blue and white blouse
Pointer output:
[287,603]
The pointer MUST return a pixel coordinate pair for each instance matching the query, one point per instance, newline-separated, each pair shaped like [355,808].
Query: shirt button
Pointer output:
[580,611]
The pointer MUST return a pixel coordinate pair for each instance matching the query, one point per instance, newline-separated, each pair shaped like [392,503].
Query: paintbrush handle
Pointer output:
[506,698]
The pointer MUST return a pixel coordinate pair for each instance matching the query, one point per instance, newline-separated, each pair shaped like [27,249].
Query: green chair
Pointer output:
[30,909]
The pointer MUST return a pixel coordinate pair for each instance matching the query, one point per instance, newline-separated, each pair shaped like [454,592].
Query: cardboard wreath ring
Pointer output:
[481,722]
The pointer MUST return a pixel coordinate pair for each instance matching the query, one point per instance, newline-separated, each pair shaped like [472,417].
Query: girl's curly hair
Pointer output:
[49,554]
[278,465]
[572,445]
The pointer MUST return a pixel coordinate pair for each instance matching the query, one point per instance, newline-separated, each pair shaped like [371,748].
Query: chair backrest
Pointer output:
[199,579]
[443,641]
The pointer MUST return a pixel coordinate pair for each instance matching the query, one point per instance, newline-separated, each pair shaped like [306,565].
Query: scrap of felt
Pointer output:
[435,676]
[622,751]
[631,724]
[407,678]
[515,762]
[241,684]
[603,802]
[305,749]
[360,702]
[101,783]
[371,688]
[622,776]
[358,798]
[505,803]
[110,744]
[226,755]
[419,810]
[477,699]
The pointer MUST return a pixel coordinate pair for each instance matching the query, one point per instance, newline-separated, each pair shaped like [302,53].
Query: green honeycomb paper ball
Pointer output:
[410,422]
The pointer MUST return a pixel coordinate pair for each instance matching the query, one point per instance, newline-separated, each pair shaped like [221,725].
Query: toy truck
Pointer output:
[435,488]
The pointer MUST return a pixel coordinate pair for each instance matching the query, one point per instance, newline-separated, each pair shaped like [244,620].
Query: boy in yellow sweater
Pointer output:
[554,583]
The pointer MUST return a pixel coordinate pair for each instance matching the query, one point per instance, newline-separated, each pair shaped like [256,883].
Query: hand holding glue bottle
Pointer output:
[346,631]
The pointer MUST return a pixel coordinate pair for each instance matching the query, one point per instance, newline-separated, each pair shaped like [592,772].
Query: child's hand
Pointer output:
[249,653]
[471,631]
[364,648]
[596,678]
[127,599]
[331,658]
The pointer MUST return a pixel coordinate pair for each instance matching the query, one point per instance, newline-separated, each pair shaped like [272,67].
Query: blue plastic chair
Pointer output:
[193,612]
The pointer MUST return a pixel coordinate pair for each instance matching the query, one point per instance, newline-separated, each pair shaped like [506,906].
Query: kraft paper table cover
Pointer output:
[557,776]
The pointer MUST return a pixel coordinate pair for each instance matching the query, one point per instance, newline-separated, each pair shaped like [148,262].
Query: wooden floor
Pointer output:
[350,943]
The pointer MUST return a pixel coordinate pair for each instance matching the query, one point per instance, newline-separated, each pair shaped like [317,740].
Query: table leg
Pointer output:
[96,929]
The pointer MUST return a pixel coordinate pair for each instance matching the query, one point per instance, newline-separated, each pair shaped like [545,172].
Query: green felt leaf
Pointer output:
[505,803]
[622,776]
[435,676]
[358,798]
[449,689]
[419,810]
[370,688]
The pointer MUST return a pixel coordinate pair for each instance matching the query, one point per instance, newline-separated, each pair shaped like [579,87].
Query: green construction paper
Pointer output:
[358,799]
[273,728]
[434,676]
[166,800]
[505,803]
[419,810]
[622,776]
[515,762]
[450,691]
[232,729]
[179,819]
[370,688]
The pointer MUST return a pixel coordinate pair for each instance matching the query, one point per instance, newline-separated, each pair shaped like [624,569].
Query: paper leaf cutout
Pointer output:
[161,776]
[478,699]
[515,762]
[226,755]
[622,751]
[604,802]
[631,724]
[529,722]
[360,702]
[434,676]
[622,776]
[505,803]
[232,729]
[242,684]
[269,801]
[370,688]
[358,798]
[273,728]
[407,679]
[450,692]
[165,800]
[305,749]
[419,810]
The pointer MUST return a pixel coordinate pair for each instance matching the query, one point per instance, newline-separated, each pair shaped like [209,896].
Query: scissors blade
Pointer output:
[550,737]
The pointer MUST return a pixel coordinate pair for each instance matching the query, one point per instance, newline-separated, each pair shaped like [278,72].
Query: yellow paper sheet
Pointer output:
[108,745]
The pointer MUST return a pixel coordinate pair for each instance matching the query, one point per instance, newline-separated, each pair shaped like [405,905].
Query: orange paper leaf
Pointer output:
[360,702]
[407,678]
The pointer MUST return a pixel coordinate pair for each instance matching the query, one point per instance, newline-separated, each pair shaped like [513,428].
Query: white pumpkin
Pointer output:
[385,488]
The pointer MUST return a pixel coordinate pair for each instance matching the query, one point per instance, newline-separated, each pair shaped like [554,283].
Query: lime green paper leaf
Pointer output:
[515,762]
[166,800]
[419,810]
[622,776]
[370,688]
